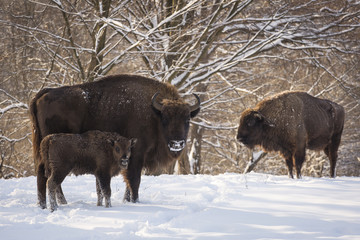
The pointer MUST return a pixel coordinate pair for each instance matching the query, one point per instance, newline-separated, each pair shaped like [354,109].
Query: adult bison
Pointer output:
[289,123]
[133,106]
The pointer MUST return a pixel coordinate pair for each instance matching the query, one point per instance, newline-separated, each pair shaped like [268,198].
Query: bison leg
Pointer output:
[331,152]
[332,155]
[132,192]
[99,193]
[60,195]
[41,186]
[299,158]
[289,164]
[104,182]
[132,186]
[52,186]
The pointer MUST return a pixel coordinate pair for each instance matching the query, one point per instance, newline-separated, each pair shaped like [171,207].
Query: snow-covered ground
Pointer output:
[228,206]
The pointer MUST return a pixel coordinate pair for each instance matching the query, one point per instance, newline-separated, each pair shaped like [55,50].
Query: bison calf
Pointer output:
[103,154]
[289,123]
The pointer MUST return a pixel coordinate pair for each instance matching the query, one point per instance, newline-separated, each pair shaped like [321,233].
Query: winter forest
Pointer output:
[232,53]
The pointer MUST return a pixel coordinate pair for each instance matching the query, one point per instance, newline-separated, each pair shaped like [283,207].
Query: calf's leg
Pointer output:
[104,182]
[41,186]
[53,184]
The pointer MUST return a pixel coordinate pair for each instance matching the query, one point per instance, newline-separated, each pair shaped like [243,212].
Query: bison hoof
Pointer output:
[53,208]
[42,205]
[61,200]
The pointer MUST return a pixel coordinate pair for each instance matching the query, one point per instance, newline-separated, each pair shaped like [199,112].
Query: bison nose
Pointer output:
[125,160]
[176,145]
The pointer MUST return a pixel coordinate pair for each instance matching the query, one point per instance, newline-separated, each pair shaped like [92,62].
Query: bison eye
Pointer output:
[117,149]
[251,122]
[165,121]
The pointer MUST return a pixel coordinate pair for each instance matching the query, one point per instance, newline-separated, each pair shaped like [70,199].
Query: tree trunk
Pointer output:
[99,38]
[195,152]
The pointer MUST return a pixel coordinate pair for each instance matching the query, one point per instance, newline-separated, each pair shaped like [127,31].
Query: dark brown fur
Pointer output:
[103,154]
[121,104]
[289,123]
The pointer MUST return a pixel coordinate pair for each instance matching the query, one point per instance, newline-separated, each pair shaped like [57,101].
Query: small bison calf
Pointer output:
[103,154]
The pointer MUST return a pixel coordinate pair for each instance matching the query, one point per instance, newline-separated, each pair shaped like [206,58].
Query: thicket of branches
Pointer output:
[232,53]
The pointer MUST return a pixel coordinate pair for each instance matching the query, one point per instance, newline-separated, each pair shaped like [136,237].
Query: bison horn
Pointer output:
[194,109]
[155,103]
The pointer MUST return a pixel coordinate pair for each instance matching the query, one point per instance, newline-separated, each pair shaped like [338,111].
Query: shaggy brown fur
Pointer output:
[289,123]
[122,104]
[103,154]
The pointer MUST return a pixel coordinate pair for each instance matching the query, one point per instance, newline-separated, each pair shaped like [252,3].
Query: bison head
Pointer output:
[122,150]
[175,119]
[251,127]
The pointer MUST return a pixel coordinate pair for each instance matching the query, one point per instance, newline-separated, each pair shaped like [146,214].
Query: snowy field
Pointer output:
[228,206]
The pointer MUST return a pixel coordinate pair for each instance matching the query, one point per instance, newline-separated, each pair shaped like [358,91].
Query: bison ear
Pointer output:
[258,116]
[111,142]
[133,141]
[156,106]
[261,118]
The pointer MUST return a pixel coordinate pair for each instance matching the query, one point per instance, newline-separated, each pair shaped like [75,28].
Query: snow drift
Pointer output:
[228,206]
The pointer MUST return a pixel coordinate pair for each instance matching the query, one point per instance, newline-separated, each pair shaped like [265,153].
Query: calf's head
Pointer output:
[251,127]
[122,150]
[175,120]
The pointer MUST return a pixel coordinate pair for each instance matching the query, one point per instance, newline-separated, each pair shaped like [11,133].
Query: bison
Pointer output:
[103,154]
[289,123]
[133,106]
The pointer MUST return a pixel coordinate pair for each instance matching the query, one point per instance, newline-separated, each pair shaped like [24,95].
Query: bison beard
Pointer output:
[133,106]
[289,123]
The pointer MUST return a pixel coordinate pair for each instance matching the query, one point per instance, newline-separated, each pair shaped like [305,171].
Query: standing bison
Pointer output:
[133,106]
[103,154]
[289,123]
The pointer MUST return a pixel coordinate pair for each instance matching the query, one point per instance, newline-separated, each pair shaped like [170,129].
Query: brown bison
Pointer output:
[289,123]
[103,154]
[133,106]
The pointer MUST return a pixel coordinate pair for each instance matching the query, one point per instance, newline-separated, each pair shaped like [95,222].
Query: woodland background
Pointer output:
[232,53]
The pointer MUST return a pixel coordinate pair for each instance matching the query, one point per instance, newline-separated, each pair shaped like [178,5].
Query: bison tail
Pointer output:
[36,135]
[338,113]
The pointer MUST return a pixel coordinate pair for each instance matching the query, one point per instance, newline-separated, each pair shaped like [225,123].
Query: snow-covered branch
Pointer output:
[11,103]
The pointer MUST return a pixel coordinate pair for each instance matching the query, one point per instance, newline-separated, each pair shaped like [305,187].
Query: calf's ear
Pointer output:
[110,141]
[133,141]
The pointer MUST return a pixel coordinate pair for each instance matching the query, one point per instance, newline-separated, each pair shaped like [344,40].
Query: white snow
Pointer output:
[228,206]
